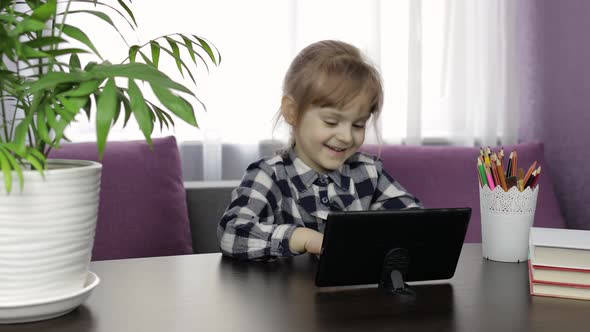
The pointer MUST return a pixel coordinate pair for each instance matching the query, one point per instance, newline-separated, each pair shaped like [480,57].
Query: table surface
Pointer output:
[212,293]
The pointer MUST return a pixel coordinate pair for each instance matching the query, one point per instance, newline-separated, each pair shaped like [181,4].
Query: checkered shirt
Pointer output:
[280,193]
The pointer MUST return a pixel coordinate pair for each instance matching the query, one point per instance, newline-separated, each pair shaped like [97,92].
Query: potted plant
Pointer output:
[48,209]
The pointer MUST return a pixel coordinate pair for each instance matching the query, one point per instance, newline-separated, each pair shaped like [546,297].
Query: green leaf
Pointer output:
[6,170]
[161,120]
[16,167]
[133,52]
[54,78]
[27,52]
[80,36]
[75,61]
[189,46]
[58,125]
[45,11]
[105,112]
[28,24]
[179,60]
[140,111]
[103,17]
[175,104]
[207,48]
[88,107]
[35,161]
[196,53]
[42,126]
[155,52]
[138,71]
[165,115]
[127,10]
[146,59]
[20,133]
[83,89]
[64,51]
[44,41]
[128,110]
[176,53]
[72,105]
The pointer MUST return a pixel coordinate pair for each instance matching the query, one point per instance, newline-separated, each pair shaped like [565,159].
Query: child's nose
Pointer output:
[345,134]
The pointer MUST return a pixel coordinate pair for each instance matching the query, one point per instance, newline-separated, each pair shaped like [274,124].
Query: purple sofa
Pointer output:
[147,210]
[142,210]
[446,176]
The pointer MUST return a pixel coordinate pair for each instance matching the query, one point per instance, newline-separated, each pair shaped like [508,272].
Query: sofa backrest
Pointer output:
[446,176]
[142,208]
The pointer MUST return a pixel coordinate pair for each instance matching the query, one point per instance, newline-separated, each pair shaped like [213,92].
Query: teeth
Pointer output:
[335,149]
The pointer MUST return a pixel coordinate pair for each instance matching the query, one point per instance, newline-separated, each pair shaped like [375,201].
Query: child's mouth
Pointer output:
[335,149]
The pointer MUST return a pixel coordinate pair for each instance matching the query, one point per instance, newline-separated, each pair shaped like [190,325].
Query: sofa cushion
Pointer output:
[142,208]
[444,177]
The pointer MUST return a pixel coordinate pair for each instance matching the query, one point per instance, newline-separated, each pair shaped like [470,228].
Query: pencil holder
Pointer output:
[506,218]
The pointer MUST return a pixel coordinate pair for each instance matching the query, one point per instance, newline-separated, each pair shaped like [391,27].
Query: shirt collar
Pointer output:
[303,176]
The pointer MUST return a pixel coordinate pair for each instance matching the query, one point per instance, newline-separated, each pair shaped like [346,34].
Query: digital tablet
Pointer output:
[362,247]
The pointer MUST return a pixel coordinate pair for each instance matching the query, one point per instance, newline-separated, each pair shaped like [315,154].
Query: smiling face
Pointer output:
[326,136]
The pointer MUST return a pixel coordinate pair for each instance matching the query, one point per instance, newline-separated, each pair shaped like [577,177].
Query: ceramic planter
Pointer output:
[47,231]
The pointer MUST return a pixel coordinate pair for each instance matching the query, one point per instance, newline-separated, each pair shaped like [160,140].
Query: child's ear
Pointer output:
[289,110]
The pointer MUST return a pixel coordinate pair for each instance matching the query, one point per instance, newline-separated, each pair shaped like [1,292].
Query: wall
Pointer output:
[554,45]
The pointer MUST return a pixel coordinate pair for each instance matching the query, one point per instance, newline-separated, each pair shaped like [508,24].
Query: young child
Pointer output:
[330,92]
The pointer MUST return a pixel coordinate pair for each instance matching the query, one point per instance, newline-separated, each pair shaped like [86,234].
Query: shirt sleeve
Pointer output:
[390,195]
[248,229]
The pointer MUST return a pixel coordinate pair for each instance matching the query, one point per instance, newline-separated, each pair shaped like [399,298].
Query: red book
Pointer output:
[557,289]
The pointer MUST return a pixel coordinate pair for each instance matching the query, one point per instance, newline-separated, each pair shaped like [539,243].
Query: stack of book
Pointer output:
[559,263]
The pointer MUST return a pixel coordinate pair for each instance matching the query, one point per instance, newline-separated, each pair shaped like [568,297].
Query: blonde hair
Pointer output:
[332,73]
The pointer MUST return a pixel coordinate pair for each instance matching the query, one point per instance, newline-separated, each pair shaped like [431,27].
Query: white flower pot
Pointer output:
[47,231]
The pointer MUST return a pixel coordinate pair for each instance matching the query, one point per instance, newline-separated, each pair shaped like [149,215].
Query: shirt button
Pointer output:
[325,200]
[323,180]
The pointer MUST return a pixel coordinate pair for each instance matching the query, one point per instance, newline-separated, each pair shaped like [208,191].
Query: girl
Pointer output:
[329,94]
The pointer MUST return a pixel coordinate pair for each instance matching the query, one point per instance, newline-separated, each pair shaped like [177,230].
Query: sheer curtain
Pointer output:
[447,66]
[479,81]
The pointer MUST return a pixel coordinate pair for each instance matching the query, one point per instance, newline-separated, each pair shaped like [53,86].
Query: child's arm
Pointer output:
[390,195]
[249,228]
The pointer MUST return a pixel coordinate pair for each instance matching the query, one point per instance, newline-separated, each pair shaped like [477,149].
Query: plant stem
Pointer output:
[5,124]
[63,21]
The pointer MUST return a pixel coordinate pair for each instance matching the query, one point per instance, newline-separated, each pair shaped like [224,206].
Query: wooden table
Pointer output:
[212,293]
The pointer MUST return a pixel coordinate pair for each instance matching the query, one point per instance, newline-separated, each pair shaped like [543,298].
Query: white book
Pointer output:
[567,248]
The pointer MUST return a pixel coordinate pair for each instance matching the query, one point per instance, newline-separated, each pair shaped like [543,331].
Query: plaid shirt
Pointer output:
[281,193]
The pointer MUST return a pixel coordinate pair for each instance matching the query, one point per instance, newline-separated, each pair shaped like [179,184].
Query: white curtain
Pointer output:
[447,65]
[480,84]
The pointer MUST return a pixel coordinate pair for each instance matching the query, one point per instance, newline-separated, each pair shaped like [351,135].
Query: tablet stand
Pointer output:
[395,266]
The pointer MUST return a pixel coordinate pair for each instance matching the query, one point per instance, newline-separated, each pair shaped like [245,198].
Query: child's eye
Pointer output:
[359,125]
[330,122]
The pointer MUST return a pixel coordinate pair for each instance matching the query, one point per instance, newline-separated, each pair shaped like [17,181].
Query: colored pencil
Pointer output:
[489,177]
[529,172]
[494,169]
[530,179]
[509,168]
[514,163]
[501,175]
[482,173]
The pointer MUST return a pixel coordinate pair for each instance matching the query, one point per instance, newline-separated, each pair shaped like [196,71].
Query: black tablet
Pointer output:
[364,247]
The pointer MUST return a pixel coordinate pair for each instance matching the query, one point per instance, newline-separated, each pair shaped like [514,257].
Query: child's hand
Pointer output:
[306,240]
